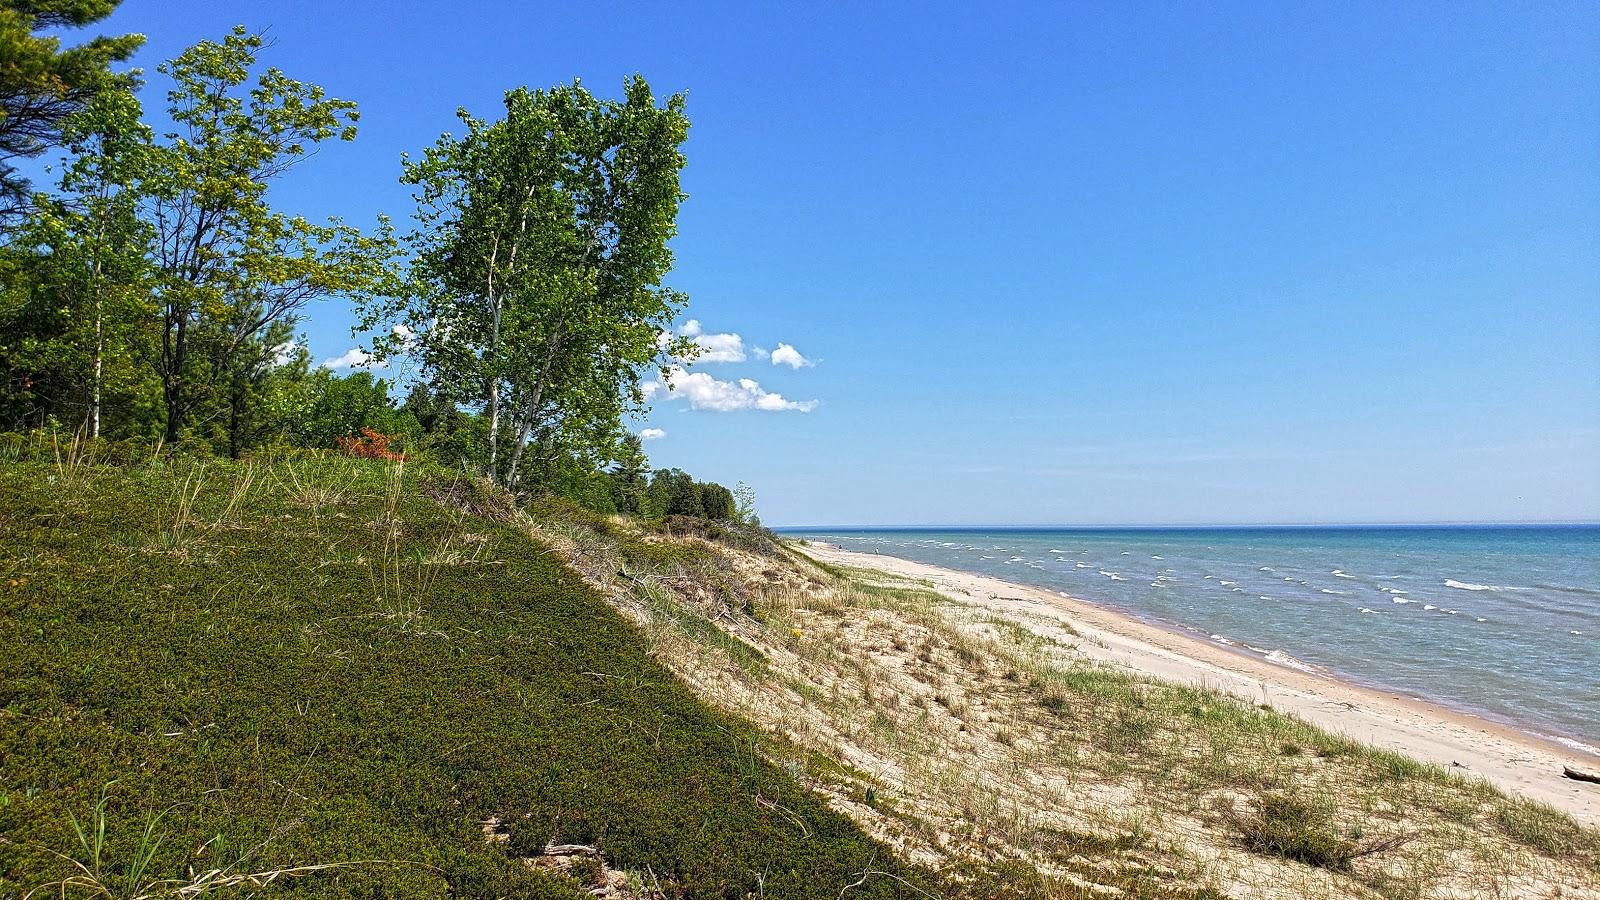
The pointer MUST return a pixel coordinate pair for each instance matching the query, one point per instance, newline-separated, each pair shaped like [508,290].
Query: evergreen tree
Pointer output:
[42,85]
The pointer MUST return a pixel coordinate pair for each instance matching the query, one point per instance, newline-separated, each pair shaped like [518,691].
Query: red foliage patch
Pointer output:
[369,445]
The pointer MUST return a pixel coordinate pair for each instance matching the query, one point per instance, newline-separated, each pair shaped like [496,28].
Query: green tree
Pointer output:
[658,495]
[536,281]
[449,434]
[343,405]
[75,323]
[744,500]
[230,266]
[262,388]
[42,85]
[677,493]
[630,480]
[434,412]
[716,501]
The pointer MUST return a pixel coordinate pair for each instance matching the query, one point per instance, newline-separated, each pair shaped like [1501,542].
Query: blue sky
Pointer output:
[1121,263]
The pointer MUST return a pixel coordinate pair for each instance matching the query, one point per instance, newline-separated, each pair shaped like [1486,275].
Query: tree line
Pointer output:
[153,289]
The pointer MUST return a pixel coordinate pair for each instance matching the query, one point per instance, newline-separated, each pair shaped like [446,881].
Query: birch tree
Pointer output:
[87,322]
[536,287]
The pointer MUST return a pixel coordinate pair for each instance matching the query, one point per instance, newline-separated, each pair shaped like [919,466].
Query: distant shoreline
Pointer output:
[1252,526]
[1514,759]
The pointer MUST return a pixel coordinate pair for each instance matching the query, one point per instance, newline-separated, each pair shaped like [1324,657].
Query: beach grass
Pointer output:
[995,744]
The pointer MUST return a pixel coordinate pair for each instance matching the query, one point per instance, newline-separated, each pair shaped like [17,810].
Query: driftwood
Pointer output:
[1577,775]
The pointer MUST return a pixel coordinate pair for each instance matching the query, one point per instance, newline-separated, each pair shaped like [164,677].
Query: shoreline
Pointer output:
[1510,758]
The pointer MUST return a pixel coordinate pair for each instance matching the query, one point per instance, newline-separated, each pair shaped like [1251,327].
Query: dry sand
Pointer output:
[1512,760]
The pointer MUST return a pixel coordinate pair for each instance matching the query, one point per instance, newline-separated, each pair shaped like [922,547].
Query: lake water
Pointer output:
[1503,622]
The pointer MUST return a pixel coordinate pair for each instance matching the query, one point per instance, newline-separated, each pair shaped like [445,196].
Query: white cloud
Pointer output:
[787,355]
[704,392]
[284,353]
[720,347]
[354,358]
[651,434]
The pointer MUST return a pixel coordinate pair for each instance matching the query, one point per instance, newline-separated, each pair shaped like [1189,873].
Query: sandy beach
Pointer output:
[1512,760]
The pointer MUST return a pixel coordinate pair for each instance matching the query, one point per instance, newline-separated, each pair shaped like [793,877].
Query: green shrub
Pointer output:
[586,870]
[1287,826]
[361,680]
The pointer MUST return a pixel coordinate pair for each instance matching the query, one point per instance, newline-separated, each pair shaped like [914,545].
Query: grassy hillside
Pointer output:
[336,678]
[308,675]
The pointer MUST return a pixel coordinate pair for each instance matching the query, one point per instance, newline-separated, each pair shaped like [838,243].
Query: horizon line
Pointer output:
[1551,523]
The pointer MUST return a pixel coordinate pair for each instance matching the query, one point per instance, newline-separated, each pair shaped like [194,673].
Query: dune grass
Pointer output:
[999,746]
[305,676]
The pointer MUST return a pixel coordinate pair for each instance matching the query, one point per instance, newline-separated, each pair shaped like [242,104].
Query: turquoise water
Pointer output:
[1503,622]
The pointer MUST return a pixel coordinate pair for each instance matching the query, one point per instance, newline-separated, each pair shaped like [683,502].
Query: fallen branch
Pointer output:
[570,850]
[870,872]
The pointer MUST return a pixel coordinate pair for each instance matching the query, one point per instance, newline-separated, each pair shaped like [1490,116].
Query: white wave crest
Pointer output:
[1469,586]
[1284,659]
[1579,746]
